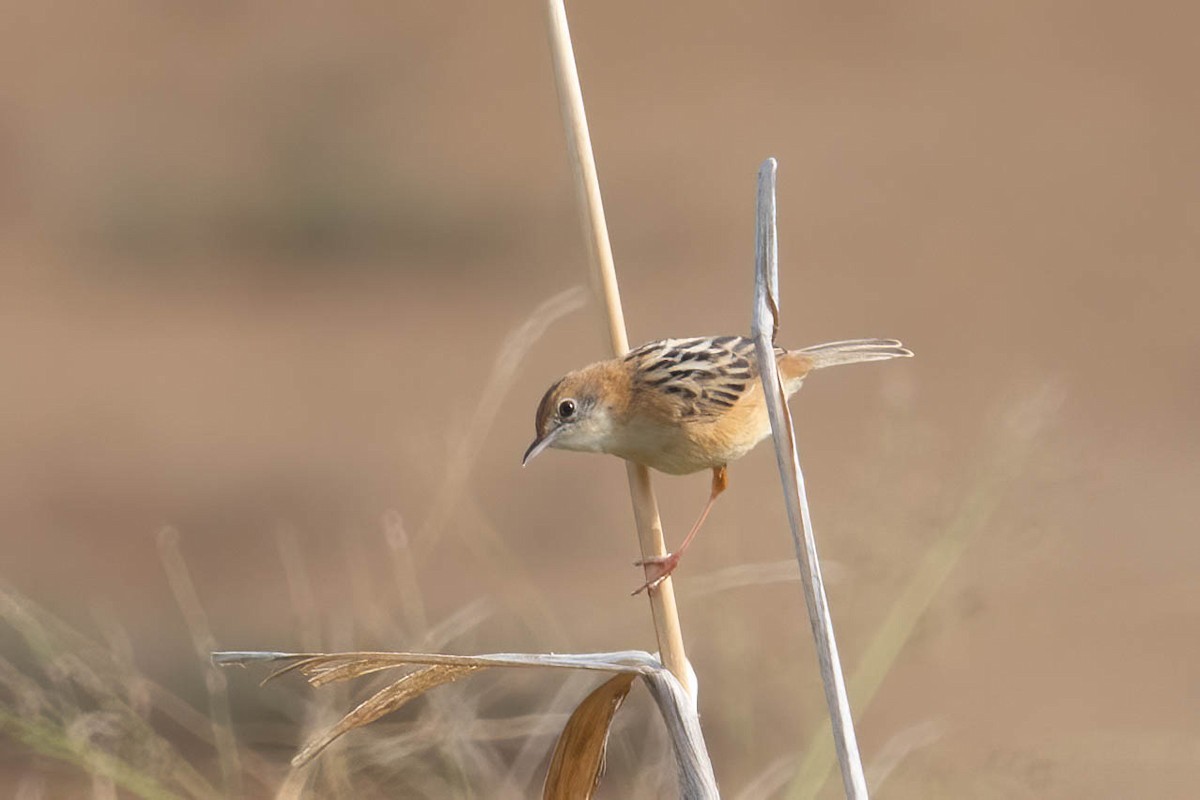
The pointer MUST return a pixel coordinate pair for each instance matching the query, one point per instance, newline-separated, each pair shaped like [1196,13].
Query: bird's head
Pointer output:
[576,413]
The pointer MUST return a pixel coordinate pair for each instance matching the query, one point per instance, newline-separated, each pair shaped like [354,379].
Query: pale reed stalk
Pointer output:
[604,281]
[766,323]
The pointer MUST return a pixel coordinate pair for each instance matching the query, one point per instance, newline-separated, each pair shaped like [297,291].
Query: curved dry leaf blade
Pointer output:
[321,669]
[324,671]
[578,758]
[299,664]
[324,668]
[350,665]
[385,701]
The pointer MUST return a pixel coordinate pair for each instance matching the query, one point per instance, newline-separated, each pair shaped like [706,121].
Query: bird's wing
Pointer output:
[701,377]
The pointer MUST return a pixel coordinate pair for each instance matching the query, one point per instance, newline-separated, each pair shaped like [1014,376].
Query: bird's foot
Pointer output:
[658,568]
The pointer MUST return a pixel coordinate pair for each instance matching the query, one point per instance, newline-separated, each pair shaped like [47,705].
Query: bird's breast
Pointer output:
[684,446]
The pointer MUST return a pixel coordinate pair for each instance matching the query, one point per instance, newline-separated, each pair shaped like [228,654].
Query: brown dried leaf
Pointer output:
[578,758]
[385,701]
[343,668]
[322,669]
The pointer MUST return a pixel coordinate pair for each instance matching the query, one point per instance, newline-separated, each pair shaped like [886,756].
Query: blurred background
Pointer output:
[260,265]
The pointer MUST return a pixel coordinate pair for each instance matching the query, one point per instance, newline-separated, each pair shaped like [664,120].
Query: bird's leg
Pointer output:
[659,567]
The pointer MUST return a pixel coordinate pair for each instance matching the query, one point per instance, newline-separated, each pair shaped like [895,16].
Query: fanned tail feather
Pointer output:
[853,351]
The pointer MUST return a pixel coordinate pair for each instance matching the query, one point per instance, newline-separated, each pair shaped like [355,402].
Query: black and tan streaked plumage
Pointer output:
[681,405]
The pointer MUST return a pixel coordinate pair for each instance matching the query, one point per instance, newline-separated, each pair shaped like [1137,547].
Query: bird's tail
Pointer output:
[853,351]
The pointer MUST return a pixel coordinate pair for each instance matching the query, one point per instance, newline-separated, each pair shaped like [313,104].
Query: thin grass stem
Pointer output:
[203,640]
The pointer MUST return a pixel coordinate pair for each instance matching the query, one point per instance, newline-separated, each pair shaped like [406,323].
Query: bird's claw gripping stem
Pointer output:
[658,569]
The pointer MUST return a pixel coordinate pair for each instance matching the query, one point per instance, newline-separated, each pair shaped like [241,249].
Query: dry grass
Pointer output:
[84,704]
[81,702]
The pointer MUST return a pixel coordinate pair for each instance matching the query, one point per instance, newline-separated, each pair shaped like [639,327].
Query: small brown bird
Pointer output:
[680,406]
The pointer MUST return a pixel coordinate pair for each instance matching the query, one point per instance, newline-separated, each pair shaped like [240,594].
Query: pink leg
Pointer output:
[659,567]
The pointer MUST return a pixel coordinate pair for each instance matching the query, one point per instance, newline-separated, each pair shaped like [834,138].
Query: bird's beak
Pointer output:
[539,444]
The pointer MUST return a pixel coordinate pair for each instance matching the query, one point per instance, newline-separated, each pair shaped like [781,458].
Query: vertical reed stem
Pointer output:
[766,323]
[583,166]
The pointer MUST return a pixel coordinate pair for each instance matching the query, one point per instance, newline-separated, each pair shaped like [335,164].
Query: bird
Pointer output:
[680,406]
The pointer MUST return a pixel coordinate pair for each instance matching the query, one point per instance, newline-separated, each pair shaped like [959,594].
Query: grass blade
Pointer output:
[385,701]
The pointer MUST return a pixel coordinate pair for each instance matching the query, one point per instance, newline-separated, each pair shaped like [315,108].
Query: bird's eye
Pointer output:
[566,409]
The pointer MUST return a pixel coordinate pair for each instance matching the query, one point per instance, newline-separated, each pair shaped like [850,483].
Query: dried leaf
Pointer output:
[348,665]
[385,701]
[588,735]
[322,671]
[578,758]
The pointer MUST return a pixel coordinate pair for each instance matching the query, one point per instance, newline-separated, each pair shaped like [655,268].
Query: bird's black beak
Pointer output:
[539,444]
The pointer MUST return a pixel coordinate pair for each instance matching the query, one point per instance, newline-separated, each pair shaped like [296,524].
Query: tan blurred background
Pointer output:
[258,261]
